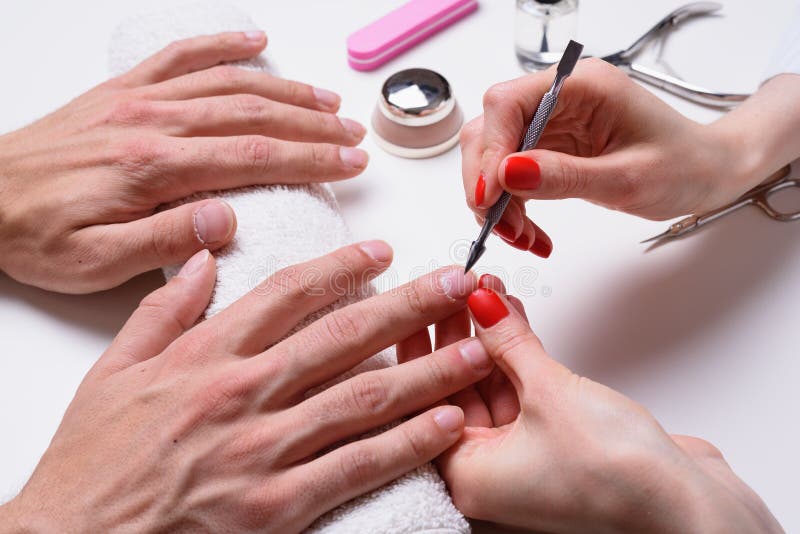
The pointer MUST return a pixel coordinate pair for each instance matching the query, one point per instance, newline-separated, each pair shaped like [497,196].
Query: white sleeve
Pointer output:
[787,56]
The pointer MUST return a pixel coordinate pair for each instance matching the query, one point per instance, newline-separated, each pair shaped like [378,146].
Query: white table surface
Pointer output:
[703,332]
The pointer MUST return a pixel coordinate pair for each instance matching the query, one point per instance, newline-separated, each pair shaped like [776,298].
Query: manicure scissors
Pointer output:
[758,196]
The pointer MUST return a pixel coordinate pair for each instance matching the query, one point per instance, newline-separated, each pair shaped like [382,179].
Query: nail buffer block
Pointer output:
[393,34]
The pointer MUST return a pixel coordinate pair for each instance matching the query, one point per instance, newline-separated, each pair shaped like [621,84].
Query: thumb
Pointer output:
[507,337]
[165,238]
[548,175]
[162,316]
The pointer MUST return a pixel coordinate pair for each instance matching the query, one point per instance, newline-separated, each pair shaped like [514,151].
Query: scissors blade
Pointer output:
[662,235]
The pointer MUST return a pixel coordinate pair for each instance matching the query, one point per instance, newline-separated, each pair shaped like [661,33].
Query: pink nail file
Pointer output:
[413,22]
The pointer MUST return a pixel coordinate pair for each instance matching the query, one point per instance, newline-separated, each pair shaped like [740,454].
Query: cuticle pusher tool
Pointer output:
[548,103]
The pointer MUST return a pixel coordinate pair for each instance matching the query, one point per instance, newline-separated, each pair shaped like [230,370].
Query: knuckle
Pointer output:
[368,393]
[342,326]
[413,444]
[438,374]
[359,467]
[255,151]
[156,307]
[470,131]
[176,50]
[138,155]
[252,107]
[320,155]
[497,95]
[129,111]
[573,179]
[165,240]
[415,300]
[513,340]
[299,92]
[287,282]
[227,75]
[261,506]
[226,395]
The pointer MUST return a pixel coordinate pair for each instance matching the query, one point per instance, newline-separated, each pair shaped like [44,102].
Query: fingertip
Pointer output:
[542,245]
[492,282]
[449,419]
[353,158]
[378,250]
[487,307]
[256,38]
[214,223]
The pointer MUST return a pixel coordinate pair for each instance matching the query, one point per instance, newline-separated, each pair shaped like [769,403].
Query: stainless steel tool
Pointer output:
[548,103]
[758,196]
[694,93]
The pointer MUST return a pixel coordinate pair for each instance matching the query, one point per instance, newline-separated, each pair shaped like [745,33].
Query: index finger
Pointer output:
[193,54]
[508,107]
[343,338]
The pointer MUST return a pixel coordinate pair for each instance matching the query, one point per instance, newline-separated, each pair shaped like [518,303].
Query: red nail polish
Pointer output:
[522,173]
[486,307]
[505,230]
[480,190]
[521,243]
[542,245]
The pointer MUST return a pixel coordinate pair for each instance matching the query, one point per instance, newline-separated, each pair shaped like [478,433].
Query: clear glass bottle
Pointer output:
[542,31]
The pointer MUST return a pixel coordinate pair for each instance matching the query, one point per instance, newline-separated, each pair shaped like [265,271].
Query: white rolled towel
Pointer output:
[280,226]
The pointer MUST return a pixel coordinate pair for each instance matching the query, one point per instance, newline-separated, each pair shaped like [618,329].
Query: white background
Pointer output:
[704,332]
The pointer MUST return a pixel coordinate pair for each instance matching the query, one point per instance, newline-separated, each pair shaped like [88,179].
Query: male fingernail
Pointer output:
[505,230]
[487,307]
[480,190]
[542,245]
[492,282]
[475,355]
[522,173]
[254,35]
[449,418]
[356,129]
[377,250]
[353,157]
[213,222]
[194,264]
[327,99]
[456,284]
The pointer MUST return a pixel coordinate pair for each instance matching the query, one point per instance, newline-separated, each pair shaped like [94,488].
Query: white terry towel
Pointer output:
[280,226]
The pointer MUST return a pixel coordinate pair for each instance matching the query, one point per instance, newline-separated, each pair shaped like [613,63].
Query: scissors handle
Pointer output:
[676,86]
[758,196]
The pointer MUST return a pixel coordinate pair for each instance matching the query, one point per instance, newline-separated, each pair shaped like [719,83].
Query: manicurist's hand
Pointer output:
[79,188]
[210,427]
[612,142]
[572,455]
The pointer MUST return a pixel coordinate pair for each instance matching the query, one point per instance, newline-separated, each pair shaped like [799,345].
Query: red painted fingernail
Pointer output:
[487,307]
[485,280]
[480,190]
[505,230]
[522,173]
[521,243]
[542,245]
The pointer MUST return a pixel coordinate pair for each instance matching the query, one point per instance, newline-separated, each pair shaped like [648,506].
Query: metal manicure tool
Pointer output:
[548,103]
[758,196]
[624,59]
